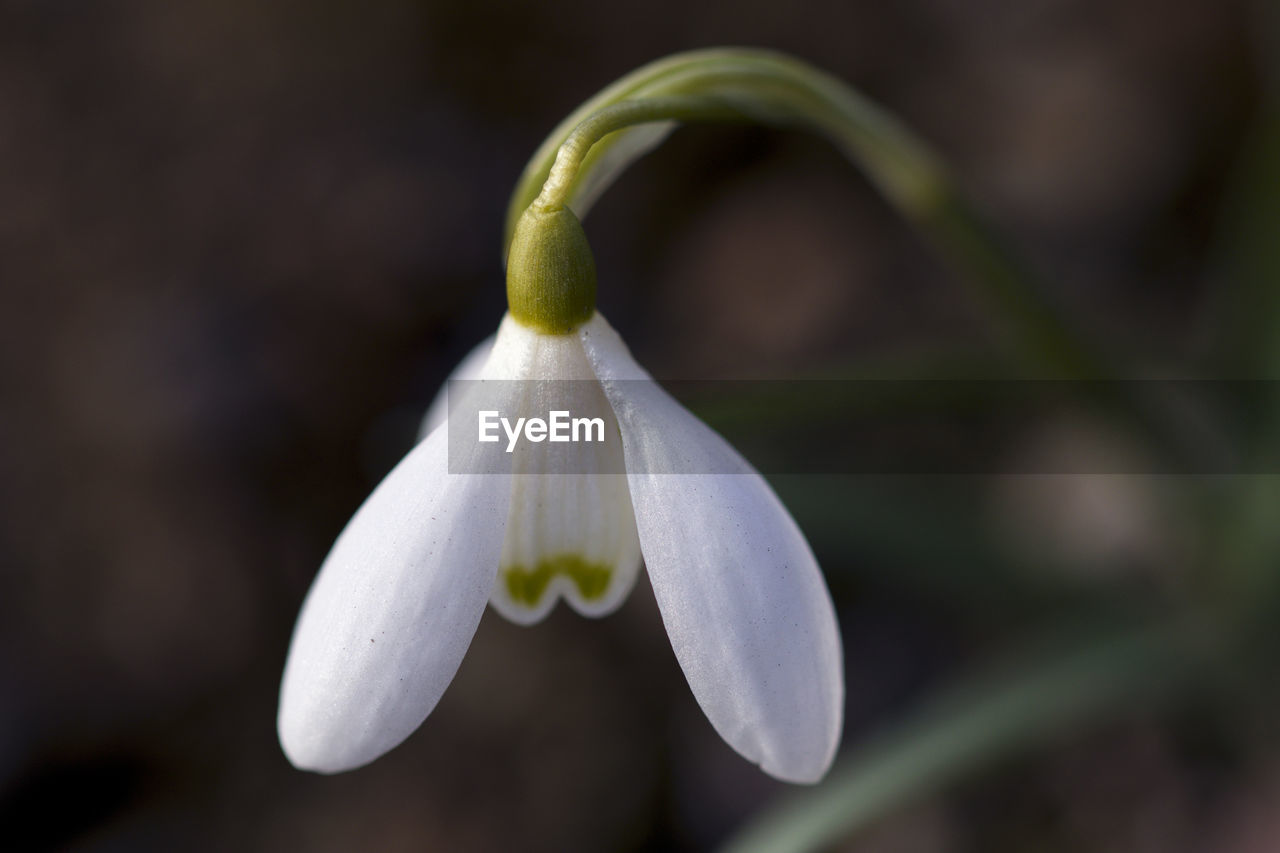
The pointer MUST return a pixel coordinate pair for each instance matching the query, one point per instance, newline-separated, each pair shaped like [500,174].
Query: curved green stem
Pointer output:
[586,151]
[772,89]
[573,152]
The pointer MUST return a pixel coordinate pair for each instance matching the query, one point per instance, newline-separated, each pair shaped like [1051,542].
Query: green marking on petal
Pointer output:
[527,586]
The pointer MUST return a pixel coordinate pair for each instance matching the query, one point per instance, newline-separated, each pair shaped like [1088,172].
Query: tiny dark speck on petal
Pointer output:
[371,639]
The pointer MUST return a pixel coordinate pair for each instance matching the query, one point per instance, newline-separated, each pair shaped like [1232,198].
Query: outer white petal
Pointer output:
[471,367]
[395,605]
[746,608]
[392,612]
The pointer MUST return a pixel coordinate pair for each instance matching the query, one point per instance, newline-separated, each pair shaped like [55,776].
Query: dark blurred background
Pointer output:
[242,243]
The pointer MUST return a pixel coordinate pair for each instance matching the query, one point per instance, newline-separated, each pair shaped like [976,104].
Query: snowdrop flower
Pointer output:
[394,607]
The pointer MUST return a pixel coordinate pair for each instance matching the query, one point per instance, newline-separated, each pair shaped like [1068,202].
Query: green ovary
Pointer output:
[527,586]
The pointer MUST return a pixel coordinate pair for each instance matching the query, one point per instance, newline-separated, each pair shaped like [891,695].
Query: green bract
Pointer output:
[551,274]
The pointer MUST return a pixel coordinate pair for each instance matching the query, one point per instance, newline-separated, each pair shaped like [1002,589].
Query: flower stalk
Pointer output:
[588,150]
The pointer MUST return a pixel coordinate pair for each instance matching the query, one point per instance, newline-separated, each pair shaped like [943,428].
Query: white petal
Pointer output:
[746,608]
[471,366]
[395,605]
[571,530]
[392,612]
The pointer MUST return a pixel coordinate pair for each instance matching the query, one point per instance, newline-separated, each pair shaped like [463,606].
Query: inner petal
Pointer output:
[571,530]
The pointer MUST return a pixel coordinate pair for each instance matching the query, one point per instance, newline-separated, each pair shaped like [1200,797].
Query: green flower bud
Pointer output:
[551,274]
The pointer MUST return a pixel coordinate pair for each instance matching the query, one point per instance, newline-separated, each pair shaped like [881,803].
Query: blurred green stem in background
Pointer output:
[1248,512]
[988,720]
[631,116]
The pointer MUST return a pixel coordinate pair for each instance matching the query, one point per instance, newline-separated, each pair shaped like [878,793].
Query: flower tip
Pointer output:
[305,747]
[801,754]
[800,773]
[310,745]
[301,754]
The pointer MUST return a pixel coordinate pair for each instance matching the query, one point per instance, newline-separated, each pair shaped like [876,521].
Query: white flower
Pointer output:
[395,605]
